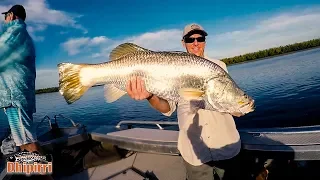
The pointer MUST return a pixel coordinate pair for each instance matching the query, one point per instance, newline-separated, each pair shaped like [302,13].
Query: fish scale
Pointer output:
[174,76]
[152,69]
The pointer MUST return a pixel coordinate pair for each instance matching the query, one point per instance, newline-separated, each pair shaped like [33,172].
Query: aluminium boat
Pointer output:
[141,150]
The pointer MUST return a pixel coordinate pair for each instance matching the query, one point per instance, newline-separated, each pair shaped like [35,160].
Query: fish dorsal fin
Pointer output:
[124,49]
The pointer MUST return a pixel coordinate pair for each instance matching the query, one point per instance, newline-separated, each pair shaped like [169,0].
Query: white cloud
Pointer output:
[157,41]
[39,14]
[96,55]
[281,29]
[163,40]
[47,78]
[75,45]
[35,28]
[98,40]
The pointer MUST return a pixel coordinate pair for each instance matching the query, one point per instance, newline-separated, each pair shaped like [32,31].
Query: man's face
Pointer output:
[8,17]
[195,44]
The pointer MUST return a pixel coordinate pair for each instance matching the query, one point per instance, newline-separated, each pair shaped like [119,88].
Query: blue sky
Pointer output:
[85,31]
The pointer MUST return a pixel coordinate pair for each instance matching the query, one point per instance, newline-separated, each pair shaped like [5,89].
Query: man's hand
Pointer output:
[136,89]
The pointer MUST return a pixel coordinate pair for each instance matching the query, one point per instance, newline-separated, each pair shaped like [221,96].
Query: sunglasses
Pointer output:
[191,40]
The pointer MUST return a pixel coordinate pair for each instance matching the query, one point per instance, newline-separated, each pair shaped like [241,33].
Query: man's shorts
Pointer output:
[21,124]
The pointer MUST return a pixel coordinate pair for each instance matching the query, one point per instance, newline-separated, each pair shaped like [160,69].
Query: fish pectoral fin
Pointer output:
[112,93]
[190,93]
[124,49]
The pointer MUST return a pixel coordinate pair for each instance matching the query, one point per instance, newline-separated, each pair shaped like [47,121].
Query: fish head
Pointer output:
[224,95]
[244,104]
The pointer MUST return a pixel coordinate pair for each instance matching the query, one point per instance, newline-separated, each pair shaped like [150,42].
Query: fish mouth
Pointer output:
[248,107]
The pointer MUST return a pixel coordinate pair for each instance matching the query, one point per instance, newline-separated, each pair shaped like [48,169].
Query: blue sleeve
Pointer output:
[12,48]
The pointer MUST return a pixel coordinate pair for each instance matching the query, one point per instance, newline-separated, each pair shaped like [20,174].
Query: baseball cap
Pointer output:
[17,10]
[193,28]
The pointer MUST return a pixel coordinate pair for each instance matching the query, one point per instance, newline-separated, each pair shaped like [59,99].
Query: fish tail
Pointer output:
[71,86]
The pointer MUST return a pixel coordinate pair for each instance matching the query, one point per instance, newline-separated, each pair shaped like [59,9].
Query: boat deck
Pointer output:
[137,166]
[295,143]
[141,139]
[156,155]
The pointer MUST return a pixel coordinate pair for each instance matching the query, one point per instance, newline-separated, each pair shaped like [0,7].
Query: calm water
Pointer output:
[286,90]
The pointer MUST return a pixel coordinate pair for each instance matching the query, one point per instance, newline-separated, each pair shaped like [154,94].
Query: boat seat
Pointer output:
[142,139]
[298,143]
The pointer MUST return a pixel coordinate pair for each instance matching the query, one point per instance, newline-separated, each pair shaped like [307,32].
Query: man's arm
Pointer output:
[159,104]
[162,105]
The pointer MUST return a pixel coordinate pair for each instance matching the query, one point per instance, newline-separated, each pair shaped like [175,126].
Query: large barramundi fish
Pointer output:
[171,75]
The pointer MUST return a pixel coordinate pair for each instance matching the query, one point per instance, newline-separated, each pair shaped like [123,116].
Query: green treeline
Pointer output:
[47,90]
[54,89]
[245,57]
[273,51]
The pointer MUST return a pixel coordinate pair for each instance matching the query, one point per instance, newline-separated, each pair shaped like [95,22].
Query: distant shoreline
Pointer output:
[54,89]
[279,55]
[249,57]
[273,52]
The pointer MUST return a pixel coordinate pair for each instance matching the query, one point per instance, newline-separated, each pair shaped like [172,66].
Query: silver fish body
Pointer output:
[174,76]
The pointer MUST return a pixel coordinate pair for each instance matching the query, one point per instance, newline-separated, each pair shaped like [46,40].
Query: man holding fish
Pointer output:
[200,89]
[207,138]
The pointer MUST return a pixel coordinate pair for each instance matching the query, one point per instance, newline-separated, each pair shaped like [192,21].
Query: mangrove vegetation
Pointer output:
[53,89]
[47,90]
[282,50]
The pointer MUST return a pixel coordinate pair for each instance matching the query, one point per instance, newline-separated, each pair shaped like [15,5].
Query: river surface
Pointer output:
[286,90]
